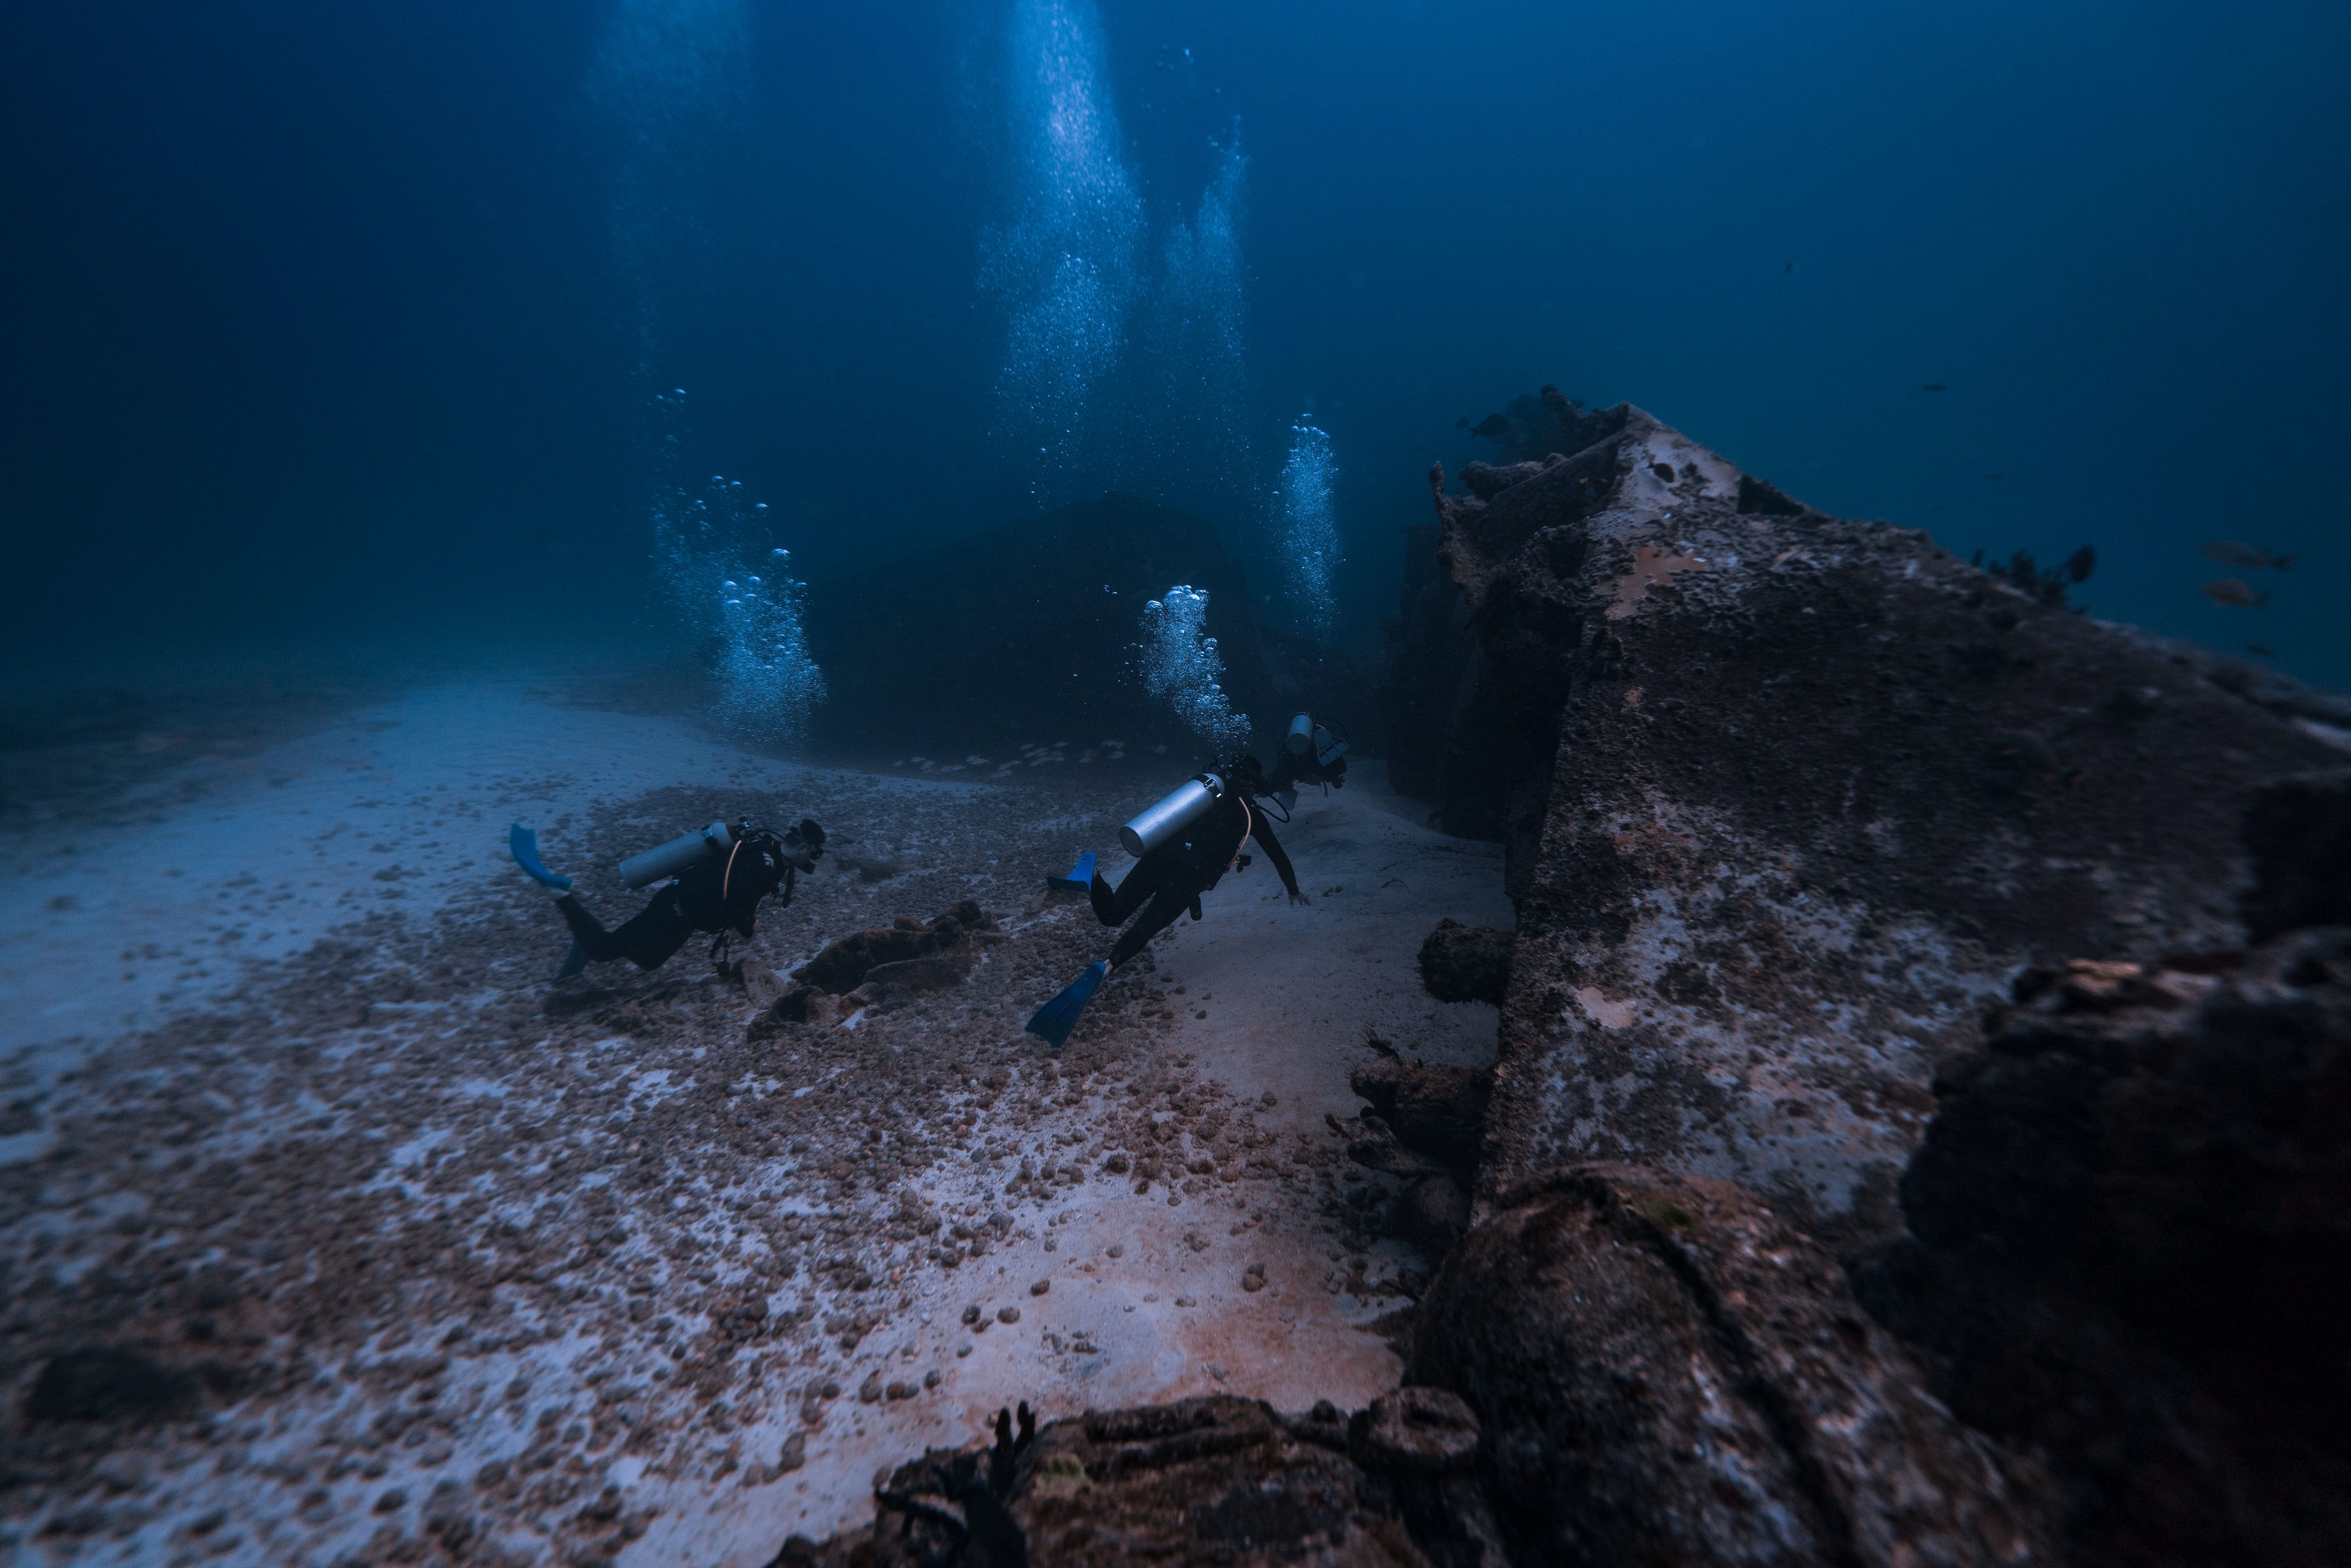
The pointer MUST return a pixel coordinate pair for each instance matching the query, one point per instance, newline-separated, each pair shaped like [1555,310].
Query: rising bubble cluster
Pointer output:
[1197,347]
[670,78]
[735,590]
[1180,663]
[1309,533]
[1065,261]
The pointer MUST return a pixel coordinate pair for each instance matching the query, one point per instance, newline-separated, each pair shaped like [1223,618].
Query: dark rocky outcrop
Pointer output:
[2298,833]
[867,968]
[1433,668]
[1818,789]
[1219,1479]
[1466,963]
[1422,1124]
[1437,1112]
[108,1384]
[2130,1247]
[1025,633]
[920,955]
[1666,1371]
[1461,732]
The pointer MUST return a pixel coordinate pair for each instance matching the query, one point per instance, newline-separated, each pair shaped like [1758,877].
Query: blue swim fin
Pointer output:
[1057,1018]
[1081,875]
[523,843]
[573,963]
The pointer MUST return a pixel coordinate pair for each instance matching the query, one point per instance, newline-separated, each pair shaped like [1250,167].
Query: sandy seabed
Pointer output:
[456,1262]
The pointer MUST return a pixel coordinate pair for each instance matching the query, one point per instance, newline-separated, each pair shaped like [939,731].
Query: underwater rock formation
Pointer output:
[1424,1125]
[1812,791]
[2130,1245]
[893,953]
[1458,735]
[1025,633]
[1437,1112]
[1666,1372]
[1218,1480]
[1466,963]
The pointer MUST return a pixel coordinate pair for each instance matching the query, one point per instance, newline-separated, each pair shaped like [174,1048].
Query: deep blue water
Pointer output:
[341,323]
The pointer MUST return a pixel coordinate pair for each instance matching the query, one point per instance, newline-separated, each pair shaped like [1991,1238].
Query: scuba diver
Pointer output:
[1311,754]
[1184,846]
[721,874]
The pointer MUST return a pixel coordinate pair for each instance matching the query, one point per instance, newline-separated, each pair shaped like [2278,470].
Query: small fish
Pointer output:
[1493,425]
[2235,591]
[1461,423]
[2081,564]
[2229,552]
[1790,267]
[1934,386]
[2260,650]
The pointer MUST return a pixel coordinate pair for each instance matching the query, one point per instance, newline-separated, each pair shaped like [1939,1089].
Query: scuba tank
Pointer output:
[1185,805]
[669,859]
[1305,736]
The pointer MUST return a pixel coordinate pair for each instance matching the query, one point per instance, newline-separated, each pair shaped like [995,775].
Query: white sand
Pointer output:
[405,808]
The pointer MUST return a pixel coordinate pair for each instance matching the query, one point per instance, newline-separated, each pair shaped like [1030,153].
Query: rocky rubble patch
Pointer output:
[1199,1480]
[408,1252]
[1667,1372]
[2130,1242]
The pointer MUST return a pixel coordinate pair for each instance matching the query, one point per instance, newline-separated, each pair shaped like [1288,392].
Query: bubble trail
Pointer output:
[1182,665]
[1310,532]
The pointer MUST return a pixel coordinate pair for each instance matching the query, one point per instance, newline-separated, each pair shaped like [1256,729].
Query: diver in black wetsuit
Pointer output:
[719,895]
[1291,770]
[1170,879]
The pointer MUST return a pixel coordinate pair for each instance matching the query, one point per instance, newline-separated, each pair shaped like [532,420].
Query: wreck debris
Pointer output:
[1668,1372]
[1860,783]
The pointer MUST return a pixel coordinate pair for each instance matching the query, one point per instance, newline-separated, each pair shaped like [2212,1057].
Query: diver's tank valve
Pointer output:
[1185,805]
[669,859]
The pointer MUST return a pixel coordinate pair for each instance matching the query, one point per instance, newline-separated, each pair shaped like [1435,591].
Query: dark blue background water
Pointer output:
[316,332]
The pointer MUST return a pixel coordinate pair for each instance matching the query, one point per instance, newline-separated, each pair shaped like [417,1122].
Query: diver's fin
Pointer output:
[577,961]
[1080,877]
[523,843]
[1057,1018]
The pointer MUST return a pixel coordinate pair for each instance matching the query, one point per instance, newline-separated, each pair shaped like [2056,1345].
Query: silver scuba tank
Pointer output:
[1300,735]
[669,859]
[1183,806]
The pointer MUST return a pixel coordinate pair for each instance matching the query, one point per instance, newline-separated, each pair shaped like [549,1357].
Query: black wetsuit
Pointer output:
[720,895]
[1171,879]
[1289,771]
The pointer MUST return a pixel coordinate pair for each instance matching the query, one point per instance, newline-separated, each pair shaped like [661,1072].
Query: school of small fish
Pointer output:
[2235,593]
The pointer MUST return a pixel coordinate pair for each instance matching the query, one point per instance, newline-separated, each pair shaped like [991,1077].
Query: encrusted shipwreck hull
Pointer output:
[1817,791]
[1797,809]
